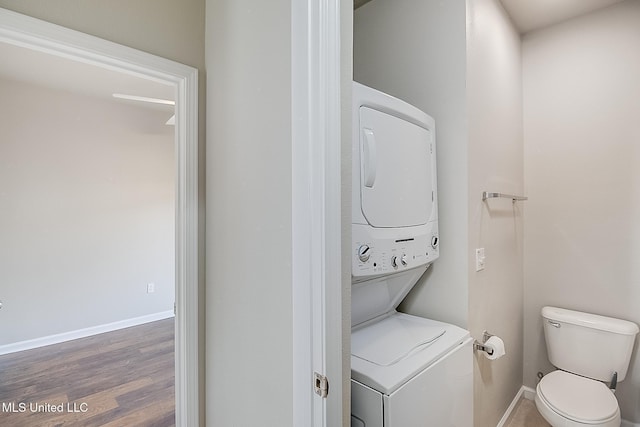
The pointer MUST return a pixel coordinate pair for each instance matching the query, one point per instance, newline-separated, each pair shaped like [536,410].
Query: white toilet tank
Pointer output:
[587,344]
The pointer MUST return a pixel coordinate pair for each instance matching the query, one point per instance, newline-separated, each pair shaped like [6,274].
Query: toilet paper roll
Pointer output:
[497,345]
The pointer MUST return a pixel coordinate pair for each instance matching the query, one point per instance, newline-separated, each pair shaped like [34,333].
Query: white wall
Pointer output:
[415,50]
[249,289]
[494,93]
[87,218]
[582,151]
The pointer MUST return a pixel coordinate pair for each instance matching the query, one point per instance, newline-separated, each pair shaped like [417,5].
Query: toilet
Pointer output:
[589,350]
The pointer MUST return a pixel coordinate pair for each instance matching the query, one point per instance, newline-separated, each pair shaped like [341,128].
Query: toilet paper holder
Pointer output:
[477,345]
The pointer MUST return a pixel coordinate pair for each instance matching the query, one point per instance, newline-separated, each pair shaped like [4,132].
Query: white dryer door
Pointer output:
[396,170]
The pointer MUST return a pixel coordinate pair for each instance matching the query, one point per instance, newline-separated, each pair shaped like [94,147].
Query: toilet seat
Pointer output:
[566,399]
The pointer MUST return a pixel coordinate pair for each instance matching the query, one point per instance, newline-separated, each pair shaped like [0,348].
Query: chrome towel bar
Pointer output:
[487,195]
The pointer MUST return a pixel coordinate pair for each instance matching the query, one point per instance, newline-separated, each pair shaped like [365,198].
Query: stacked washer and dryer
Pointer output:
[406,371]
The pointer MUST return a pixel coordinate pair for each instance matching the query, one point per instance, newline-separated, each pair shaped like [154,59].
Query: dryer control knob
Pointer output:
[403,259]
[364,252]
[394,262]
[434,242]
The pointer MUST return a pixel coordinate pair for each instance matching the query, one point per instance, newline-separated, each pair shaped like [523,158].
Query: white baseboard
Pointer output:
[527,393]
[82,333]
[509,410]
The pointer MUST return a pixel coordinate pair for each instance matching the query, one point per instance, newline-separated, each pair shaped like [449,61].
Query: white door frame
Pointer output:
[21,30]
[316,211]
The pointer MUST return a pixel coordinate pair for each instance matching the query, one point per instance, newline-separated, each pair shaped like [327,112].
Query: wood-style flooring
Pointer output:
[123,378]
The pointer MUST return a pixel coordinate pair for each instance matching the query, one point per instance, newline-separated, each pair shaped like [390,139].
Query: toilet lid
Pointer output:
[578,398]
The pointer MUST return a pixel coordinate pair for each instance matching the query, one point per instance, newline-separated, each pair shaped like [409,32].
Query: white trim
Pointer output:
[303,339]
[528,392]
[316,210]
[39,35]
[511,407]
[83,333]
[187,380]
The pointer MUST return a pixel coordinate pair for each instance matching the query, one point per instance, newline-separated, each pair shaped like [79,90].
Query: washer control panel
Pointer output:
[375,253]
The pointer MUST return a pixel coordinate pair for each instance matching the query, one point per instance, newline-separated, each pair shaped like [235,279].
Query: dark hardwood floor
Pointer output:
[123,378]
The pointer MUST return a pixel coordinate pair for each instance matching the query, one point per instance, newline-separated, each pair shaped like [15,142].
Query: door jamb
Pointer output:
[316,211]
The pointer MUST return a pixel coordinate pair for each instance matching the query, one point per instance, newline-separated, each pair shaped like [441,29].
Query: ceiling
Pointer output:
[52,71]
[528,15]
[358,3]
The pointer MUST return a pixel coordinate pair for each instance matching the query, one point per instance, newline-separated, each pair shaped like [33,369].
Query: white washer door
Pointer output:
[387,342]
[397,168]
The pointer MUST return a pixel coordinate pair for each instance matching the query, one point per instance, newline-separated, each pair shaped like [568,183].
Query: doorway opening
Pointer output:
[160,274]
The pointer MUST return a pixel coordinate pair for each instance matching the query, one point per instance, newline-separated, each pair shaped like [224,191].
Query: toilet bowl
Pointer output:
[588,350]
[569,400]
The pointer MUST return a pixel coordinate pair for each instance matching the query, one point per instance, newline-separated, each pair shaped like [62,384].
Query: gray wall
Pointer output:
[494,93]
[249,289]
[582,240]
[87,218]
